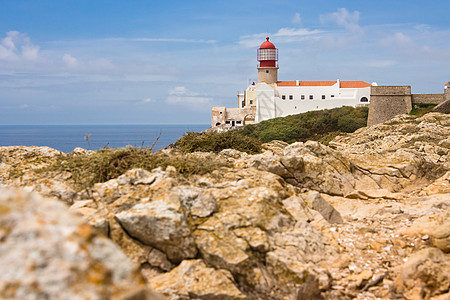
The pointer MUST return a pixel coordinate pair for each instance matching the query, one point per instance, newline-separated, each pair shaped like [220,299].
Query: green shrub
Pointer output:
[218,141]
[312,125]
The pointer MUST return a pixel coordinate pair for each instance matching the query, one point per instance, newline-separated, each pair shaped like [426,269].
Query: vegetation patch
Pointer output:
[218,141]
[320,125]
[103,165]
[420,109]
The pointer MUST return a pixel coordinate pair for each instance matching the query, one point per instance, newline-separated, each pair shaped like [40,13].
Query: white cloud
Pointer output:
[8,50]
[344,18]
[179,90]
[417,45]
[69,60]
[30,52]
[168,40]
[10,45]
[398,39]
[195,101]
[297,19]
[283,35]
[101,64]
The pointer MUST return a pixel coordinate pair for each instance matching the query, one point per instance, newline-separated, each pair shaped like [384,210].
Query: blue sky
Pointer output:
[169,62]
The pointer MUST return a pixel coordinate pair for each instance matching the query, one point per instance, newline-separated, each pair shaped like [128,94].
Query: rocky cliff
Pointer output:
[365,217]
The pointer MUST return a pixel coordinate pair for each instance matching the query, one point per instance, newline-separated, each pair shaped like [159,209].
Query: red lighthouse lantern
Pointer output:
[267,55]
[268,63]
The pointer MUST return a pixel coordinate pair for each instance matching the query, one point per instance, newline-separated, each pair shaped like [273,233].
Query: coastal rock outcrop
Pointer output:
[236,223]
[365,217]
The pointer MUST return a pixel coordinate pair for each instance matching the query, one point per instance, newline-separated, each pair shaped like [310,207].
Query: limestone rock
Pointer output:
[315,201]
[412,146]
[16,160]
[439,186]
[257,240]
[160,225]
[199,203]
[49,253]
[275,146]
[192,279]
[440,236]
[425,274]
[232,154]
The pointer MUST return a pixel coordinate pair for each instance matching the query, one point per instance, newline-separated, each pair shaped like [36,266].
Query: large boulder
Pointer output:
[47,252]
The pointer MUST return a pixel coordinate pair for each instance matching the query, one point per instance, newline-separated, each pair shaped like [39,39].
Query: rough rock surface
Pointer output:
[365,218]
[193,279]
[46,252]
[425,274]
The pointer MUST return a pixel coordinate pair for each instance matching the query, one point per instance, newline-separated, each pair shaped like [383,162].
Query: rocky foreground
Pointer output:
[367,217]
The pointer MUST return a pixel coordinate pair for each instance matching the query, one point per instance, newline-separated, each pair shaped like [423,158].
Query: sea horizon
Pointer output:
[65,138]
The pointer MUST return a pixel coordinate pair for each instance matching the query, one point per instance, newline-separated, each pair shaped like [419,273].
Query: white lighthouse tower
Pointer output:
[267,56]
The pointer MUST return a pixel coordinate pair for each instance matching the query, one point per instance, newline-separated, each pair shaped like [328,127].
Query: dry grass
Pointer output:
[106,164]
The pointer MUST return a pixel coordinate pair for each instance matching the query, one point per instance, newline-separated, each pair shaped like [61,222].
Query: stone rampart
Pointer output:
[428,98]
[387,102]
[444,107]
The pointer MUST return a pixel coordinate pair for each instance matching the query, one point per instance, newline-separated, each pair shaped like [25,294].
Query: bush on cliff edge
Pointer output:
[218,141]
[313,125]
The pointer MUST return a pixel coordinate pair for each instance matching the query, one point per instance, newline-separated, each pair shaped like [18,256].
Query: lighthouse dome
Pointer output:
[267,45]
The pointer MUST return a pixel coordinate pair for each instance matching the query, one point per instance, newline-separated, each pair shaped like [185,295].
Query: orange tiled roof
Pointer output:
[306,83]
[354,84]
[344,84]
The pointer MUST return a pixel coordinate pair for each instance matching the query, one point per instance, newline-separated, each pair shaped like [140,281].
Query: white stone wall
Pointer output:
[265,104]
[271,105]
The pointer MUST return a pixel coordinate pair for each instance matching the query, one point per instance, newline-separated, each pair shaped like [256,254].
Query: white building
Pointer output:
[294,97]
[271,98]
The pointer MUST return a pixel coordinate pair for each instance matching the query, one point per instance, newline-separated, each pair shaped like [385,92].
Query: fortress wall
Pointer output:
[444,107]
[387,102]
[428,98]
[395,90]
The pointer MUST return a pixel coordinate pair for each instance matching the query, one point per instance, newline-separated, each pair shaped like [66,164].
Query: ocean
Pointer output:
[65,138]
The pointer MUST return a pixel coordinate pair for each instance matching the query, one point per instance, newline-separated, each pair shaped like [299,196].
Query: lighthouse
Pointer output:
[267,56]
[270,98]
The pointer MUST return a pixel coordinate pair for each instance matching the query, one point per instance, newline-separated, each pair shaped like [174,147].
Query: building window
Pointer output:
[283,97]
[243,103]
[332,96]
[267,71]
[364,99]
[220,112]
[238,122]
[227,122]
[303,97]
[251,101]
[291,97]
[311,97]
[323,97]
